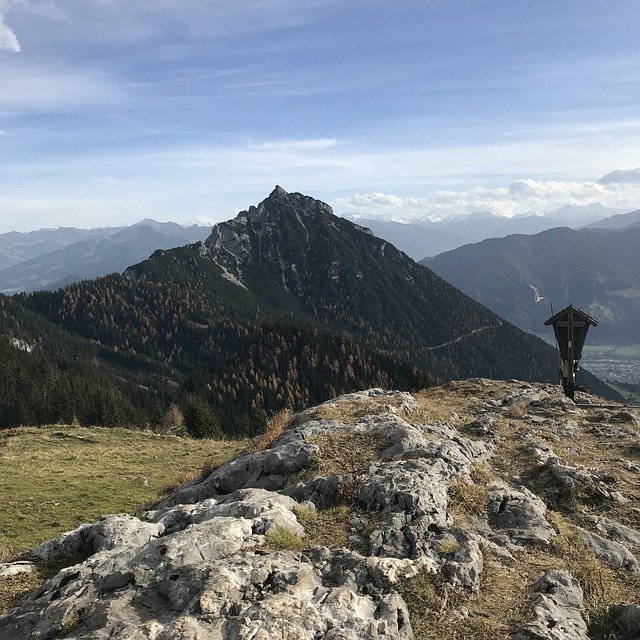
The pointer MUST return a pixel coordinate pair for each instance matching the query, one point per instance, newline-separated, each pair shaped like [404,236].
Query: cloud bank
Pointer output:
[520,197]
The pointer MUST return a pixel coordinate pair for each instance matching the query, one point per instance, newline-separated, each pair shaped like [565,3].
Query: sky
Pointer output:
[191,110]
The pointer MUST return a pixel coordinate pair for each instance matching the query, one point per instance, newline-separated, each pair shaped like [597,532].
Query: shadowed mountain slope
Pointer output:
[596,269]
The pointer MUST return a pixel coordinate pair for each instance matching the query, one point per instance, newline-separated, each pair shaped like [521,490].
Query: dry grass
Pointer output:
[276,426]
[448,546]
[13,590]
[350,412]
[327,528]
[54,478]
[602,454]
[491,614]
[342,451]
[281,539]
[504,600]
[468,497]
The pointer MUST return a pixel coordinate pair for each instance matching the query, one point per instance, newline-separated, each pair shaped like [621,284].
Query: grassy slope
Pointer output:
[54,478]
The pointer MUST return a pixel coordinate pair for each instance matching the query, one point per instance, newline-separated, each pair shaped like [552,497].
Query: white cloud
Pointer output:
[8,39]
[43,87]
[297,145]
[621,176]
[176,182]
[366,200]
[521,196]
[43,8]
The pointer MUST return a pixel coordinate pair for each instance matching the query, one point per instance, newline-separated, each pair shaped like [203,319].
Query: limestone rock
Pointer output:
[613,530]
[519,514]
[613,553]
[558,612]
[205,564]
[108,533]
[20,568]
[200,566]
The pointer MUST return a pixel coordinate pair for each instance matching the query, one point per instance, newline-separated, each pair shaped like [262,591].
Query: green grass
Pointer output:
[54,478]
[282,539]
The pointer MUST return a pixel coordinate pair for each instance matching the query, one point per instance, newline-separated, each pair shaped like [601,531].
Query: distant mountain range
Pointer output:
[596,269]
[285,305]
[619,221]
[61,256]
[426,237]
[17,247]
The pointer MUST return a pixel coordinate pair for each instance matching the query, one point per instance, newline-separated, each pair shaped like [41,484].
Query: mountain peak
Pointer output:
[277,193]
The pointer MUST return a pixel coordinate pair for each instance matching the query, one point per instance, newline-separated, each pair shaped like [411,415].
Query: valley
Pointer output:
[614,363]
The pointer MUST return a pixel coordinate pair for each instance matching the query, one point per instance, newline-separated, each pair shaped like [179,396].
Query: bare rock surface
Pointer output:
[613,553]
[200,565]
[558,610]
[12,569]
[627,536]
[519,514]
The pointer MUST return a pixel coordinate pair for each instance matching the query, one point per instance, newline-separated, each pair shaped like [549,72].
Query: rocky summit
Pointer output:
[477,509]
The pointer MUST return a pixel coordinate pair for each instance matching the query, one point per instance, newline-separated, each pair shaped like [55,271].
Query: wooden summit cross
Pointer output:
[570,326]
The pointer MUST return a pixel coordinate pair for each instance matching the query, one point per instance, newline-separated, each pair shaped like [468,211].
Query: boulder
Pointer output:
[613,530]
[558,610]
[20,568]
[519,514]
[612,553]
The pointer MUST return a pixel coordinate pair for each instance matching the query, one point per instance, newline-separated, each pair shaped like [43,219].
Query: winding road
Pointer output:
[466,335]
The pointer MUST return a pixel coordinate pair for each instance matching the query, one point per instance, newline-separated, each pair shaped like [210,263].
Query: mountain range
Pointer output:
[52,258]
[286,305]
[619,221]
[428,236]
[17,247]
[596,269]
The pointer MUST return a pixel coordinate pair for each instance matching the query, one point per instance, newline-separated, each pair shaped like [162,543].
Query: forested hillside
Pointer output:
[48,376]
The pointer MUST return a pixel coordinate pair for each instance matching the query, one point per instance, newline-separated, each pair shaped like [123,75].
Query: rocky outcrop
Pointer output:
[519,514]
[613,553]
[201,564]
[232,556]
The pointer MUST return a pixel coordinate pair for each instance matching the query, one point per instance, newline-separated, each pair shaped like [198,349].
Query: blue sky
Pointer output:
[114,110]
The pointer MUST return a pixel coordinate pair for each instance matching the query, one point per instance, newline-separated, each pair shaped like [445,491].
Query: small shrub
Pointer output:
[173,420]
[200,421]
[282,539]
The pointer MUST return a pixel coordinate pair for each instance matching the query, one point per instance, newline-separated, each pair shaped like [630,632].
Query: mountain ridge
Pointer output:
[101,252]
[597,269]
